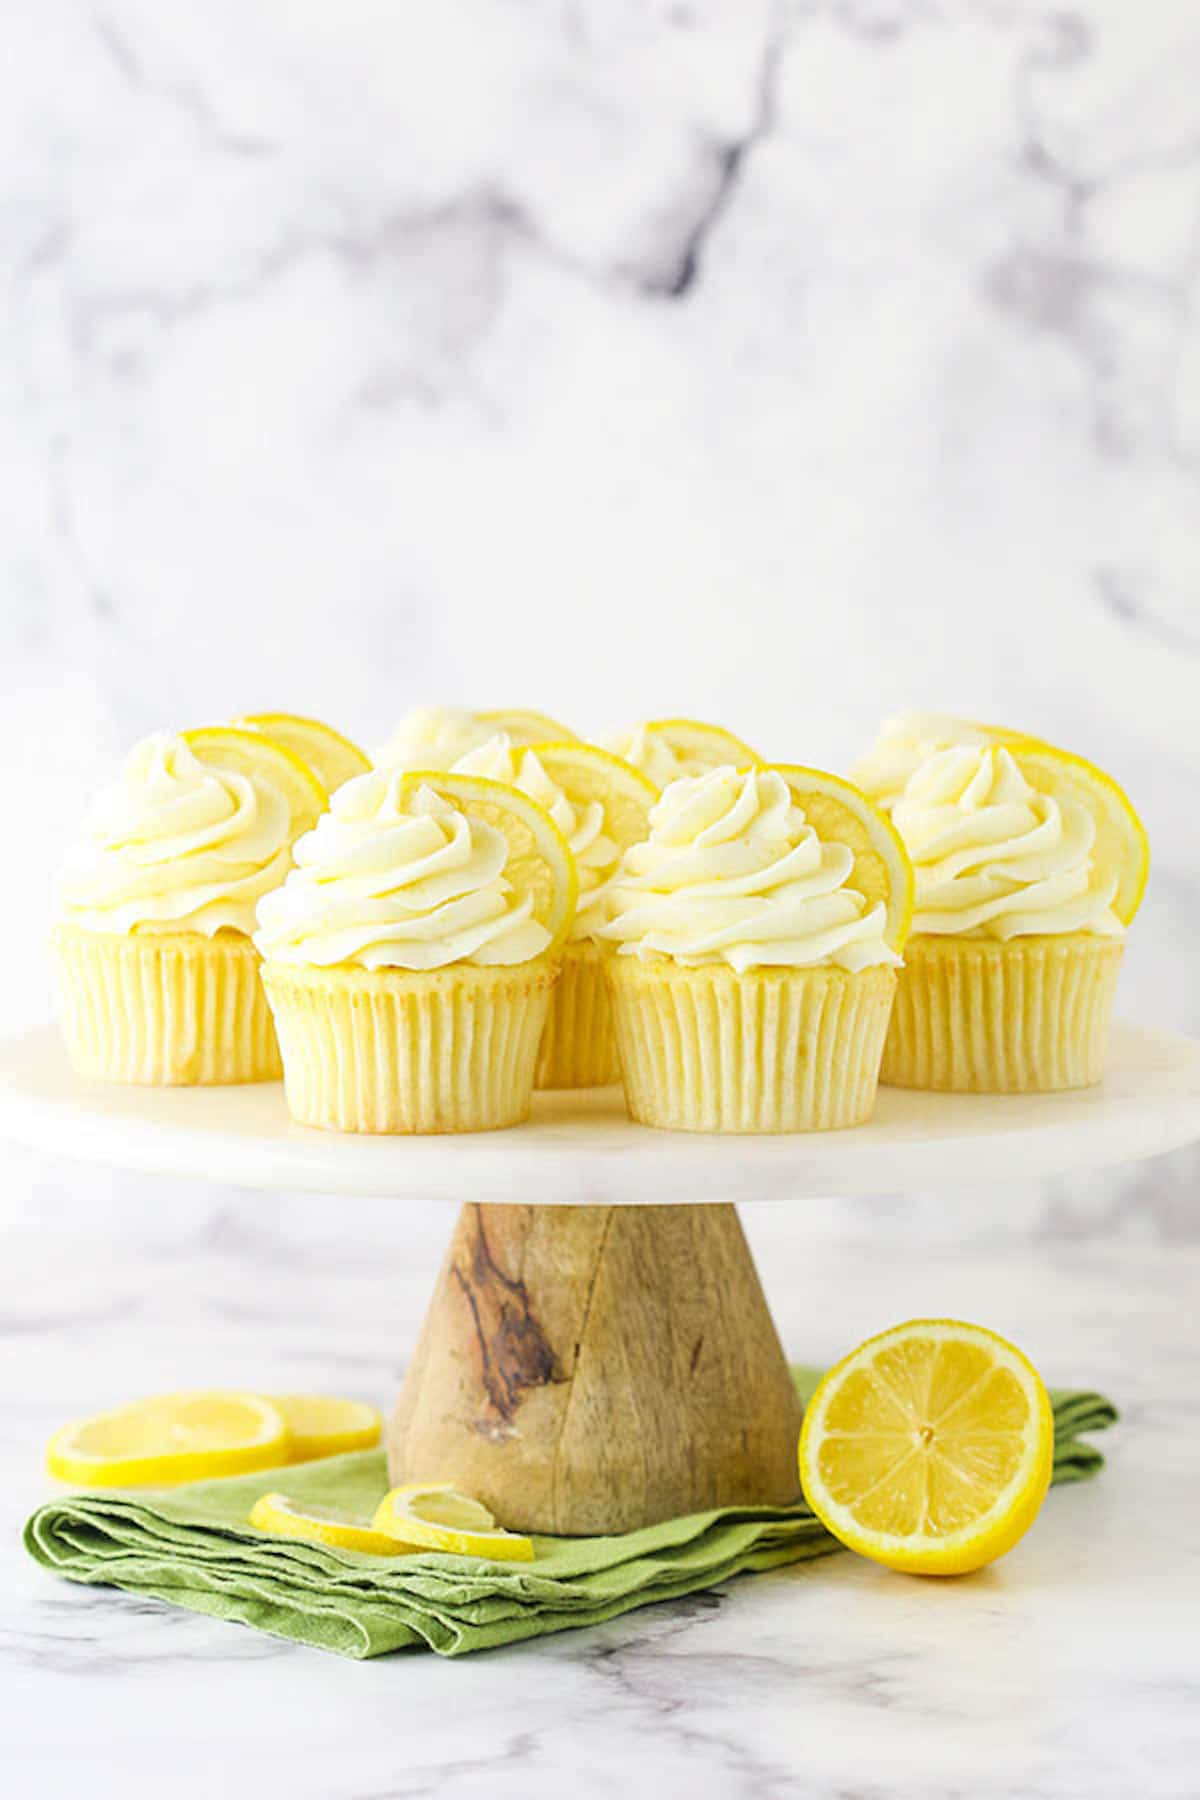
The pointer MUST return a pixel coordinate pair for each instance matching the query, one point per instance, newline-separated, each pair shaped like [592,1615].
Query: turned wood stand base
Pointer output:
[595,1369]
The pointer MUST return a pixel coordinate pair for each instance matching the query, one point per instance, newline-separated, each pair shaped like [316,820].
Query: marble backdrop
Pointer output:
[784,364]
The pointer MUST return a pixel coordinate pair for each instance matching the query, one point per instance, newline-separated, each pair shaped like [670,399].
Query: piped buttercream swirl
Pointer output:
[903,744]
[433,737]
[396,878]
[732,872]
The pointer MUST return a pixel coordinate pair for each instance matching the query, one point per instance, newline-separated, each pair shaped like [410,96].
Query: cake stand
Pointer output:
[598,1354]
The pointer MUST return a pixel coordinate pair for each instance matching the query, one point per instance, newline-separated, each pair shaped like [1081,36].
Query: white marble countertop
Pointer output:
[1068,1670]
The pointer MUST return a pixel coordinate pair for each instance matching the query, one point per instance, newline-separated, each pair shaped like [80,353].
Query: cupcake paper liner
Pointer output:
[1030,1016]
[391,1050]
[578,1045]
[707,1049]
[164,1008]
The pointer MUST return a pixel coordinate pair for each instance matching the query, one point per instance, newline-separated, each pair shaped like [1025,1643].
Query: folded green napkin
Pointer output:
[193,1546]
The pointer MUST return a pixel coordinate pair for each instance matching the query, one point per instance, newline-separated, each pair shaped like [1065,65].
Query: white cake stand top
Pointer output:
[581,1149]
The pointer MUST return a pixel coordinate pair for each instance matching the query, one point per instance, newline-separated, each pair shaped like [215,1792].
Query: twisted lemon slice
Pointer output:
[171,1438]
[332,757]
[282,1517]
[251,754]
[929,1448]
[525,727]
[435,1516]
[539,862]
[840,813]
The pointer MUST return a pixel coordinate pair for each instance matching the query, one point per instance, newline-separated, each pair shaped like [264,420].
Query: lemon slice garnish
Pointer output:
[332,757]
[929,1448]
[695,741]
[323,1425]
[586,773]
[524,727]
[435,1516]
[840,813]
[1122,847]
[171,1438]
[539,862]
[281,1517]
[251,754]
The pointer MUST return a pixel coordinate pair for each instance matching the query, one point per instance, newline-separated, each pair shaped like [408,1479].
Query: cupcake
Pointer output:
[665,750]
[1029,864]
[435,737]
[157,972]
[602,806]
[758,933]
[410,956]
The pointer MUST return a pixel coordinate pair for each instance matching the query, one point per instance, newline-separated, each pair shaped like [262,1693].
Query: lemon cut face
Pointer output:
[436,1516]
[279,1516]
[332,757]
[1122,846]
[324,1425]
[250,754]
[841,813]
[586,773]
[171,1438]
[525,727]
[696,741]
[929,1448]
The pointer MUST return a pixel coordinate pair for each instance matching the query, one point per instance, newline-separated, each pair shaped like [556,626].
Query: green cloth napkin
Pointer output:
[192,1545]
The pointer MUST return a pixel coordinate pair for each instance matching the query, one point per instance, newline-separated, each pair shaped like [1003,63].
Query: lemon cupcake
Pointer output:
[157,973]
[410,956]
[1029,865]
[435,737]
[602,806]
[759,929]
[665,750]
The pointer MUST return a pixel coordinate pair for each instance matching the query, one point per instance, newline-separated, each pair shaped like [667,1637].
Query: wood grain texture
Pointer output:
[596,1369]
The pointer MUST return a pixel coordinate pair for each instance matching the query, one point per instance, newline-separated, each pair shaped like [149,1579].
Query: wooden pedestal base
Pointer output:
[594,1369]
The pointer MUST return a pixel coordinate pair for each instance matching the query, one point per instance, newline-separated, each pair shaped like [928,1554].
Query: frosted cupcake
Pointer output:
[666,750]
[758,932]
[601,806]
[909,740]
[157,973]
[436,737]
[410,956]
[1029,863]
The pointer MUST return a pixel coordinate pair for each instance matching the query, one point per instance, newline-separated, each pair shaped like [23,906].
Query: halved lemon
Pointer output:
[332,757]
[840,813]
[525,727]
[586,773]
[171,1438]
[323,1425]
[435,1516]
[281,1517]
[929,1448]
[539,858]
[251,754]
[1121,846]
[706,746]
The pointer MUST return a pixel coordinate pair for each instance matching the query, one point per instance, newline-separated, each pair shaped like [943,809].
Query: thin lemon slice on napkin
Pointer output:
[586,773]
[539,862]
[171,1438]
[1121,845]
[435,1516]
[279,1516]
[332,757]
[525,727]
[840,813]
[251,754]
[324,1425]
[929,1448]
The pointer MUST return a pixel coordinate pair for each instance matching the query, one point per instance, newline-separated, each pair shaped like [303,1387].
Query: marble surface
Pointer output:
[1065,1673]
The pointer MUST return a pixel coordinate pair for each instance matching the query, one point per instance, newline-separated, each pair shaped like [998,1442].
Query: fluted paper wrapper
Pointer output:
[1030,1016]
[707,1049]
[578,1046]
[389,1050]
[164,1008]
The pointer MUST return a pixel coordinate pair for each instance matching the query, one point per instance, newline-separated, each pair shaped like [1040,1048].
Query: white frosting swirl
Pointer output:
[995,858]
[650,753]
[903,744]
[389,880]
[596,855]
[733,873]
[432,737]
[177,844]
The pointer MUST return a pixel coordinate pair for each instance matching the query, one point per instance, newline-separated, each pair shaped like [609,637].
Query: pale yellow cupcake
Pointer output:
[758,929]
[410,956]
[158,978]
[1029,864]
[602,806]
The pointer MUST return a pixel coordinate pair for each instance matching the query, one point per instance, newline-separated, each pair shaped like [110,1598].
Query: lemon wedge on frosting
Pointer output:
[840,813]
[585,773]
[251,754]
[332,757]
[171,1438]
[280,1516]
[1121,845]
[695,741]
[525,727]
[435,1516]
[929,1448]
